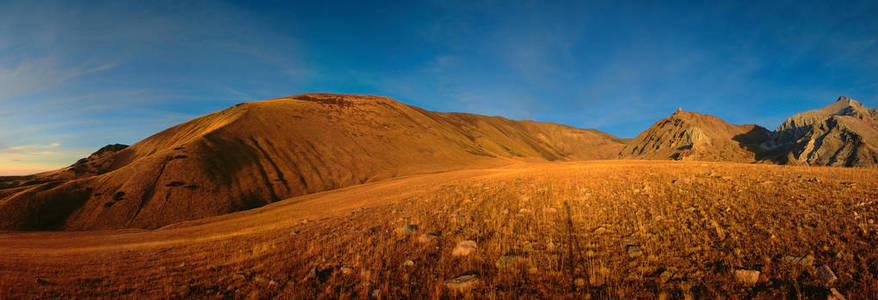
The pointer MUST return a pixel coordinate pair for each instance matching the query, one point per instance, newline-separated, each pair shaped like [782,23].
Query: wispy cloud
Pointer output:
[34,75]
[31,148]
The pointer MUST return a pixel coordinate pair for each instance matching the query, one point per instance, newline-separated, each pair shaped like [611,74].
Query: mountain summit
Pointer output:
[692,136]
[845,133]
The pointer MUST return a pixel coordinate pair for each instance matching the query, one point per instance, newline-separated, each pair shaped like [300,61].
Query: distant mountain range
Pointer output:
[256,153]
[845,133]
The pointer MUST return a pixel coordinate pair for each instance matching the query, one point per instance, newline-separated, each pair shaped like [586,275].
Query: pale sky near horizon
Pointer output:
[77,75]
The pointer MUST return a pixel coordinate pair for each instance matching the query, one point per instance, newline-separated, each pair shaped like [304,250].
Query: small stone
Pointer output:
[346,270]
[262,279]
[665,276]
[800,260]
[427,238]
[579,282]
[408,229]
[464,248]
[376,293]
[634,251]
[509,260]
[463,282]
[747,277]
[551,210]
[600,230]
[826,276]
[239,276]
[408,263]
[835,295]
[525,211]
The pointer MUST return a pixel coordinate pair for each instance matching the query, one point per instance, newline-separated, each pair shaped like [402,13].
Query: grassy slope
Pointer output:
[567,221]
[256,153]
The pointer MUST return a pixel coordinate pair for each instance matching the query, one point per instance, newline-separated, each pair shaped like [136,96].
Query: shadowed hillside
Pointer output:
[256,153]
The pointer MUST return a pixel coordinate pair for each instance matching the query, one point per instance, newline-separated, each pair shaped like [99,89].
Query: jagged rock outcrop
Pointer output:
[844,133]
[97,163]
[693,136]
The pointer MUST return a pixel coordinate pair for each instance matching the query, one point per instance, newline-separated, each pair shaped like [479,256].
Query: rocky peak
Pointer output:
[109,148]
[842,133]
[98,162]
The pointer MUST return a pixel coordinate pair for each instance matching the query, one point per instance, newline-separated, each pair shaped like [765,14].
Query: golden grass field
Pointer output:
[595,229]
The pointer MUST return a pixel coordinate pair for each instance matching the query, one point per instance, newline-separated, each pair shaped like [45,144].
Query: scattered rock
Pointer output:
[599,230]
[835,295]
[427,238]
[408,229]
[579,282]
[262,279]
[463,282]
[464,248]
[634,251]
[525,211]
[826,276]
[408,263]
[800,260]
[747,277]
[239,276]
[665,276]
[510,260]
[376,293]
[551,210]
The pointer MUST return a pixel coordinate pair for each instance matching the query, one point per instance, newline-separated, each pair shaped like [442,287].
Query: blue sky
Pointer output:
[76,75]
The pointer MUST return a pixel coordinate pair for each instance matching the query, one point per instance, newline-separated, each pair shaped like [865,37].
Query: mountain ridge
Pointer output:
[255,153]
